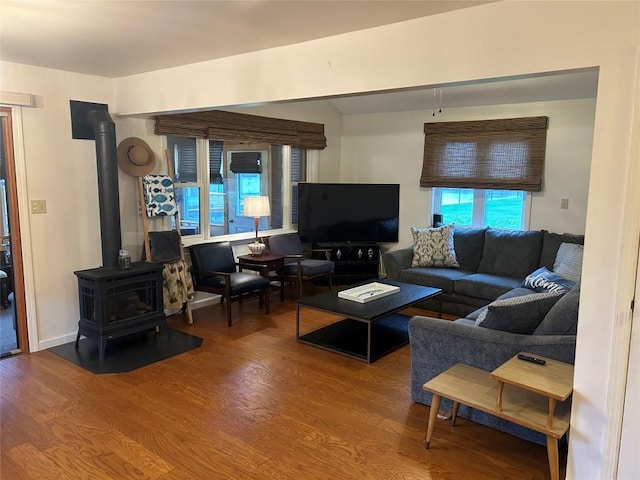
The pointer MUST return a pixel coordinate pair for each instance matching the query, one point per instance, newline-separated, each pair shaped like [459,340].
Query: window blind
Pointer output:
[184,157]
[275,193]
[504,154]
[245,162]
[242,128]
[215,161]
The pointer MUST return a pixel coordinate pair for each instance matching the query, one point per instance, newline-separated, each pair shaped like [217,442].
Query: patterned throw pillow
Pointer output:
[517,314]
[568,262]
[542,280]
[433,247]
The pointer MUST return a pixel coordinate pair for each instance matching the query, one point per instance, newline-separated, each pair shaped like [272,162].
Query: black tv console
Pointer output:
[355,262]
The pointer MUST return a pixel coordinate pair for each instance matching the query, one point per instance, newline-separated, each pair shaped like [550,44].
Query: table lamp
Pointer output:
[256,207]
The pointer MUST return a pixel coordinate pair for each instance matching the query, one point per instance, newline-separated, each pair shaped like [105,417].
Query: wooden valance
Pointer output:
[242,128]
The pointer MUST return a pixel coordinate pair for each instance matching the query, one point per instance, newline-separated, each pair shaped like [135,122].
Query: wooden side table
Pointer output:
[264,264]
[524,393]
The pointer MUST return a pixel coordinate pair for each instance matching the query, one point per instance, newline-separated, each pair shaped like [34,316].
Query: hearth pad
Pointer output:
[128,353]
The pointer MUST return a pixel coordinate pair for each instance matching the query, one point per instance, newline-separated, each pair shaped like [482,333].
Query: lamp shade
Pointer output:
[256,207]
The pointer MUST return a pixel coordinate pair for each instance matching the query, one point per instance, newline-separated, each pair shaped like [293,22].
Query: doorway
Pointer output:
[13,321]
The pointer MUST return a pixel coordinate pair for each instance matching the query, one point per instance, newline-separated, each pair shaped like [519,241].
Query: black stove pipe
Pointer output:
[108,189]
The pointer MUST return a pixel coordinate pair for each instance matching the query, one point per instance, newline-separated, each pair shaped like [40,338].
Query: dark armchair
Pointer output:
[215,271]
[297,267]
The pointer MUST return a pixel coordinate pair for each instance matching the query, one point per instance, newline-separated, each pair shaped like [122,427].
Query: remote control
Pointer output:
[529,358]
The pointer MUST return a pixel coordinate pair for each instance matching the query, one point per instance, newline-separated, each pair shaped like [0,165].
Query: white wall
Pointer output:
[63,172]
[388,148]
[495,40]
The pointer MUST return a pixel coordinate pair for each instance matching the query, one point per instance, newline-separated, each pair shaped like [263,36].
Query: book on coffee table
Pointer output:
[367,293]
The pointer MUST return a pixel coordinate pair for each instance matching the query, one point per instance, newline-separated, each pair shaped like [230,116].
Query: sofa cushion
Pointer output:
[433,247]
[514,292]
[568,261]
[468,243]
[443,278]
[562,319]
[484,285]
[511,253]
[521,314]
[550,244]
[542,280]
[309,267]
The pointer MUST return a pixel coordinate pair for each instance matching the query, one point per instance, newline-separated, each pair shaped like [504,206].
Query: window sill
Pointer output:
[235,238]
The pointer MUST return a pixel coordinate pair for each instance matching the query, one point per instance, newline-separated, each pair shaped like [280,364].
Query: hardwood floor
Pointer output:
[251,403]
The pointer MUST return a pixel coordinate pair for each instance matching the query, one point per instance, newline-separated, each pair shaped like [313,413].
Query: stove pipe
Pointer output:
[108,190]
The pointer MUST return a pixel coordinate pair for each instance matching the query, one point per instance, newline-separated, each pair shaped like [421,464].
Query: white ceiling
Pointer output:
[115,38]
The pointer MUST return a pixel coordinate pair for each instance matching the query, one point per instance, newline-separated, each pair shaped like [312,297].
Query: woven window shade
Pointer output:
[242,128]
[246,162]
[505,154]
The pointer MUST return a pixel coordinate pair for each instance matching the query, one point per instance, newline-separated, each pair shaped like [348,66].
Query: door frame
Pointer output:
[25,294]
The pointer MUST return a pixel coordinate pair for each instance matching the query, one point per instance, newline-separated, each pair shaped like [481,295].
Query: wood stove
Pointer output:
[115,302]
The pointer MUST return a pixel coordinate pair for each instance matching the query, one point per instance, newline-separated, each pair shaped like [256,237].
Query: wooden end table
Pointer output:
[264,264]
[525,393]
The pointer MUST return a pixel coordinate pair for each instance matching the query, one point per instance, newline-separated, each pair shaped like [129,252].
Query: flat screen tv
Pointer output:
[348,212]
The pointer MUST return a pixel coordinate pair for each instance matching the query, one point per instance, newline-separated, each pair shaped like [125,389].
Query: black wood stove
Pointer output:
[114,302]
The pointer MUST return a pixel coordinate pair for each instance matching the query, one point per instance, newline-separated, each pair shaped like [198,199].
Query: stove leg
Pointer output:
[102,345]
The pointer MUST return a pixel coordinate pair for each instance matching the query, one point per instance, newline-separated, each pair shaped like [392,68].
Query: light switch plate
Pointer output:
[38,206]
[564,203]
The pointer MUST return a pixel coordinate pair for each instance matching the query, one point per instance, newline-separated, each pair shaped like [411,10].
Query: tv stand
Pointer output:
[355,261]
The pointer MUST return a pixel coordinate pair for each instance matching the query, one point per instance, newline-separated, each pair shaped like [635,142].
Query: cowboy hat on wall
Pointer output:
[135,157]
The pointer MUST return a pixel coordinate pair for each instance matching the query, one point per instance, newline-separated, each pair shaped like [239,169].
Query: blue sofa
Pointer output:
[493,265]
[492,262]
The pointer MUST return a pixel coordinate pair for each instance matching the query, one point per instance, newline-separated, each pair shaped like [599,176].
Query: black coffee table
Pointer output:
[370,330]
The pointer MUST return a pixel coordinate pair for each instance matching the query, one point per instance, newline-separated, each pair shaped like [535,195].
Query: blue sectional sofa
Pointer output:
[493,266]
[492,262]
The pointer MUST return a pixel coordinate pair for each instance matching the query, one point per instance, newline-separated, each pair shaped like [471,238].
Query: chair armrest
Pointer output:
[297,257]
[326,251]
[397,260]
[210,273]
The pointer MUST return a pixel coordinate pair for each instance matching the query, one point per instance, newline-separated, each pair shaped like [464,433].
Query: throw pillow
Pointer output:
[542,280]
[562,319]
[518,314]
[568,262]
[433,247]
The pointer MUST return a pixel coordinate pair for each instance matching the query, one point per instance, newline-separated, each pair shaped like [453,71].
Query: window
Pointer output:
[214,177]
[298,174]
[481,171]
[185,166]
[482,208]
